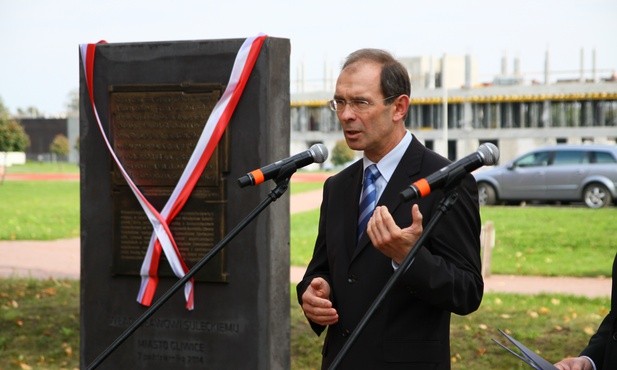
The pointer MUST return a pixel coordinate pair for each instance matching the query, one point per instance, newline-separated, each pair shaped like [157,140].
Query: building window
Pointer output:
[517,114]
[573,113]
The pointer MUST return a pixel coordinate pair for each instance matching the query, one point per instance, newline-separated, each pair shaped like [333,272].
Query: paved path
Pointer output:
[60,259]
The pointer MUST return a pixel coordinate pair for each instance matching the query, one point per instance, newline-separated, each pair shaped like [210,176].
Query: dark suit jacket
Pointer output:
[602,347]
[411,328]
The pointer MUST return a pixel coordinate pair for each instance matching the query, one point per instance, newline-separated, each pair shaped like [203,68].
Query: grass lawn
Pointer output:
[550,241]
[44,167]
[300,187]
[39,325]
[39,210]
[39,328]
[554,241]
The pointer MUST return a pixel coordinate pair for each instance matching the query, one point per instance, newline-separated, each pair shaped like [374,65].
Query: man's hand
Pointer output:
[574,363]
[316,303]
[390,239]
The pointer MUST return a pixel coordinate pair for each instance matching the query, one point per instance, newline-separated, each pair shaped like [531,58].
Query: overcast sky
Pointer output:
[39,39]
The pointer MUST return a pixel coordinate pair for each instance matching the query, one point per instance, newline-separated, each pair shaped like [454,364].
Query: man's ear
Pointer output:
[401,106]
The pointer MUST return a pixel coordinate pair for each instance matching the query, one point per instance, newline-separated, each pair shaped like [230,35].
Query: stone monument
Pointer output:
[153,100]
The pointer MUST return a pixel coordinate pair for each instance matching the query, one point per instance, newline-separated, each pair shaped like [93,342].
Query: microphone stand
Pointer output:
[282,184]
[445,205]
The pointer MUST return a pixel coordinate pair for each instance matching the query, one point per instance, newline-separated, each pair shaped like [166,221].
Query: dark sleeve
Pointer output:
[318,266]
[597,344]
[596,349]
[446,271]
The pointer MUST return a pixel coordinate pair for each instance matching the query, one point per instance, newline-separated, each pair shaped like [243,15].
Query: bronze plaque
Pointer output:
[154,130]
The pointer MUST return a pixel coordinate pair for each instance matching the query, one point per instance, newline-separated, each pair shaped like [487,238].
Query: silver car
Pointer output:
[564,173]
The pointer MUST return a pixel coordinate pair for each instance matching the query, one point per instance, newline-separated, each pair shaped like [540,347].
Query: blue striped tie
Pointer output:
[369,198]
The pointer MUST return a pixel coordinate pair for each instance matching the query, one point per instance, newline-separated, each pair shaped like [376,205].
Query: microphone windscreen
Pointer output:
[489,153]
[319,152]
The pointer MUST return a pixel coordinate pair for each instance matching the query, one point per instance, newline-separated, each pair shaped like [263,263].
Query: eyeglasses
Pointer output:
[356,105]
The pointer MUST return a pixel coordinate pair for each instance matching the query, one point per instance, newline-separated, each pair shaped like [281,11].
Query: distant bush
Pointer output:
[60,146]
[341,153]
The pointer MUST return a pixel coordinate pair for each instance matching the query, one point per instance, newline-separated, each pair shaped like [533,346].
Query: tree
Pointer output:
[29,112]
[60,146]
[72,104]
[13,138]
[341,153]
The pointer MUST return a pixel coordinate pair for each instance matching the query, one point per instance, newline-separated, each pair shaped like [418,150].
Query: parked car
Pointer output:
[564,173]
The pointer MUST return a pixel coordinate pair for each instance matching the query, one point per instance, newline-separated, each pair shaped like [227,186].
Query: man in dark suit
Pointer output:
[411,328]
[601,352]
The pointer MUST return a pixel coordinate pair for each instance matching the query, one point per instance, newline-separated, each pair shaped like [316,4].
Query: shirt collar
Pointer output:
[388,163]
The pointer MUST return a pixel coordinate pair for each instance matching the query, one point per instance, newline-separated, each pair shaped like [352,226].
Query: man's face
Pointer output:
[371,129]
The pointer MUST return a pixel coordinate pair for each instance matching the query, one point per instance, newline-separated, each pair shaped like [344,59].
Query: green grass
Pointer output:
[39,328]
[39,324]
[551,241]
[554,241]
[44,167]
[39,210]
[301,187]
[302,236]
[554,326]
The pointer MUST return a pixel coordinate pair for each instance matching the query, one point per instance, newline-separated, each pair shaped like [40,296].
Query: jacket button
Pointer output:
[351,279]
[345,332]
[615,336]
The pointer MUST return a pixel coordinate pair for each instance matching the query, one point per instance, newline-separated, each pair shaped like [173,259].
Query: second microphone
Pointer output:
[317,153]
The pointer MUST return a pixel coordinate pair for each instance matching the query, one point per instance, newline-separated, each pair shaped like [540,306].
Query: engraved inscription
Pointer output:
[182,325]
[195,229]
[154,131]
[167,347]
[171,351]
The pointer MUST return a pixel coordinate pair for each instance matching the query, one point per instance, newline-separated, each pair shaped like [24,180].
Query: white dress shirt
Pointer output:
[386,167]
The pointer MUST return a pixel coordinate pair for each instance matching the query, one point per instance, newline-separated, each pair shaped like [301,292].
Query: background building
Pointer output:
[42,132]
[511,111]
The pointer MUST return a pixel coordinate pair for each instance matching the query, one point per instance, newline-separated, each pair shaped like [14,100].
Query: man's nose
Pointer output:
[346,112]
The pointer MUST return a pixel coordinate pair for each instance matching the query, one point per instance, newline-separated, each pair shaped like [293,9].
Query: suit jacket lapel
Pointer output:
[349,198]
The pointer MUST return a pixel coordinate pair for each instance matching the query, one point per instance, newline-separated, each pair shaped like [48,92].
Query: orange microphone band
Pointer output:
[258,177]
[423,187]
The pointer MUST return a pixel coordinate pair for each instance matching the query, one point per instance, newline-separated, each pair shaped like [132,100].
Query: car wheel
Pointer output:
[596,196]
[486,194]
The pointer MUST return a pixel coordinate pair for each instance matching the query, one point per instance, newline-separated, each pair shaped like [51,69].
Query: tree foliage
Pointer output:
[29,112]
[72,104]
[341,153]
[60,145]
[13,138]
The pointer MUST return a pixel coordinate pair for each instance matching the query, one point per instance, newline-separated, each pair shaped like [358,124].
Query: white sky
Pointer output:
[39,39]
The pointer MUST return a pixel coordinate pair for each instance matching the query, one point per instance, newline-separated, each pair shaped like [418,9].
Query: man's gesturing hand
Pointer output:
[316,303]
[390,239]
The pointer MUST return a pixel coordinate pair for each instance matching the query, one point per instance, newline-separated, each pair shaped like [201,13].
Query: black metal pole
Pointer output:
[282,186]
[445,204]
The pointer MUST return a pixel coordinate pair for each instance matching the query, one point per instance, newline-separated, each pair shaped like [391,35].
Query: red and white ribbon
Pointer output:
[162,239]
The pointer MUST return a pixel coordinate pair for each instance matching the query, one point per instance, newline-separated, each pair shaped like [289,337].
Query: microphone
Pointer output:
[317,153]
[487,154]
